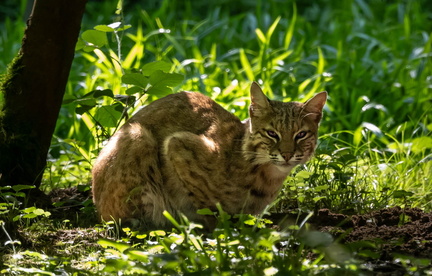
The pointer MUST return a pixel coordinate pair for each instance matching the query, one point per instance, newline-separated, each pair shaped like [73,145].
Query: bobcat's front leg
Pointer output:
[193,161]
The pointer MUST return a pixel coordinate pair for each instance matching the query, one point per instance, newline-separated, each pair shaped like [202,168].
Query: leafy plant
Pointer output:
[242,247]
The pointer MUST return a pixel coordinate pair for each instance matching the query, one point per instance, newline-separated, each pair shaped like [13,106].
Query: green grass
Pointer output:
[374,59]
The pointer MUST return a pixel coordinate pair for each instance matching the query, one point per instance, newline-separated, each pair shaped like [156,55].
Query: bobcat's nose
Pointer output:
[287,156]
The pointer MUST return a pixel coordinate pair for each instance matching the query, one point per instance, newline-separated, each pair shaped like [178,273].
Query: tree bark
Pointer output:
[33,89]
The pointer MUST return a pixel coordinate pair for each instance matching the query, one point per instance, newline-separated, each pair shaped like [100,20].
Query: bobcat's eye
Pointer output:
[272,134]
[301,134]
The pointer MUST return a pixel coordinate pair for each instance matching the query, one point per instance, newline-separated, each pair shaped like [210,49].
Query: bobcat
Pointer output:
[184,152]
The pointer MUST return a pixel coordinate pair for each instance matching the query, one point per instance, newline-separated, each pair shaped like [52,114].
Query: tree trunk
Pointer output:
[33,89]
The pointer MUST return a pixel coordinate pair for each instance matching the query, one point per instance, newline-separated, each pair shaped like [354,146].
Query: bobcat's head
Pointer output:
[282,134]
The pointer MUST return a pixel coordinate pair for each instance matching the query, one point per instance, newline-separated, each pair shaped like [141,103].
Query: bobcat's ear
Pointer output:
[316,104]
[259,102]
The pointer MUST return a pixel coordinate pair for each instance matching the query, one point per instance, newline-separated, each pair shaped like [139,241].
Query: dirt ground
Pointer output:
[380,236]
[395,230]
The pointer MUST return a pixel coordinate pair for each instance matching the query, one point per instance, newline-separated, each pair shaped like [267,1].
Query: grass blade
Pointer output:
[290,32]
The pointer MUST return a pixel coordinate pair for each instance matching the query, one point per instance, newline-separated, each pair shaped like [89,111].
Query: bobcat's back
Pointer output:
[131,177]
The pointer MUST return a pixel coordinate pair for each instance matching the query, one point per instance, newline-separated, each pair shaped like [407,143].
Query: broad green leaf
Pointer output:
[87,95]
[401,194]
[205,211]
[161,82]
[141,236]
[29,210]
[68,99]
[159,91]
[136,79]
[20,194]
[119,7]
[133,90]
[318,198]
[321,188]
[96,38]
[116,26]
[105,92]
[120,246]
[137,255]
[250,222]
[41,212]
[119,107]
[86,102]
[159,79]
[80,110]
[421,144]
[30,216]
[104,28]
[157,233]
[89,48]
[80,44]
[107,116]
[18,188]
[301,198]
[303,174]
[152,67]
[33,212]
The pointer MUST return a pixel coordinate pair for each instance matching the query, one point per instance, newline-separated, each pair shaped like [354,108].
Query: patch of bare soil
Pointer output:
[72,232]
[74,204]
[395,230]
[384,235]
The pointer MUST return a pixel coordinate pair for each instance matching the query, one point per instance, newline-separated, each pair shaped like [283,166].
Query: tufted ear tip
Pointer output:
[317,102]
[259,101]
[255,89]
